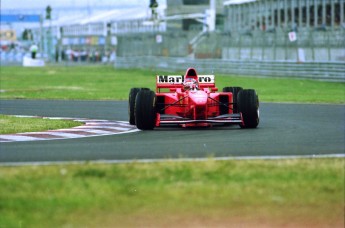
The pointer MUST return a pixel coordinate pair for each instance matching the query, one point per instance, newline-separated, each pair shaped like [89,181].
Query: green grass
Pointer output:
[108,83]
[292,193]
[12,124]
[276,193]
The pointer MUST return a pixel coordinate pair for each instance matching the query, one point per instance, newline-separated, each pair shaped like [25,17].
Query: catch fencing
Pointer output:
[312,54]
[330,71]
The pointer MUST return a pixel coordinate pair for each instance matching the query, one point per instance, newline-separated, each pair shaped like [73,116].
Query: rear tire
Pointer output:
[145,110]
[234,91]
[131,103]
[248,105]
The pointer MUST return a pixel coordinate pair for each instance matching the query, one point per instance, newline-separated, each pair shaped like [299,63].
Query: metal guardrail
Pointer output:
[330,71]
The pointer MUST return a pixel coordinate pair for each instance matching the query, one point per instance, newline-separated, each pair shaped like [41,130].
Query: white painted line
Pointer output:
[25,116]
[57,118]
[17,137]
[73,129]
[99,132]
[82,127]
[97,121]
[115,127]
[225,158]
[121,128]
[63,134]
[174,160]
[125,132]
[122,123]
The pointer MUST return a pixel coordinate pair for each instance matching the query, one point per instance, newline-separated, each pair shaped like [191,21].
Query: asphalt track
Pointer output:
[285,129]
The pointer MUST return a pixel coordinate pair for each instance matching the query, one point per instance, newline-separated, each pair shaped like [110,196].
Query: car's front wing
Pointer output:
[235,118]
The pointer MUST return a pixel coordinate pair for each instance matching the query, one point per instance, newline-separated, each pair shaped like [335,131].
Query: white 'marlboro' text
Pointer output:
[179,79]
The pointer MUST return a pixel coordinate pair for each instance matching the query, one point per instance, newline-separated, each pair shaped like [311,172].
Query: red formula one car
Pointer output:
[192,100]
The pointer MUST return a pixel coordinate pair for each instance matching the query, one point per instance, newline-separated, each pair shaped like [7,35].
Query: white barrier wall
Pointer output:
[29,62]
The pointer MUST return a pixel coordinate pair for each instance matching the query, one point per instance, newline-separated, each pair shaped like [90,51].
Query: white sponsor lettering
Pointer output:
[179,79]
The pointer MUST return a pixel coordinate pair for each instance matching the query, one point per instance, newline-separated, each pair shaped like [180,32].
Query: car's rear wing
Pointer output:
[176,81]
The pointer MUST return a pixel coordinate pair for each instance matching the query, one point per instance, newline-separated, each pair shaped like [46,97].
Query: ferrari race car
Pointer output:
[192,100]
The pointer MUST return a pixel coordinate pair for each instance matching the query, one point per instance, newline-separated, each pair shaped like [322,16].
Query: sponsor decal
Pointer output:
[170,79]
[179,79]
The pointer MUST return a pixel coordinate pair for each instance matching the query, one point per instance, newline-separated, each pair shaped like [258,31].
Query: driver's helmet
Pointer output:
[190,84]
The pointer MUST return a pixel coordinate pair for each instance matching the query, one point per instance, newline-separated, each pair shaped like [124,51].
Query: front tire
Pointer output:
[234,91]
[131,103]
[248,105]
[145,110]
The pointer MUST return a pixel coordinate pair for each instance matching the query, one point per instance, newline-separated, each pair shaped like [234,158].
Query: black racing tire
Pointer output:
[131,102]
[248,105]
[234,91]
[145,110]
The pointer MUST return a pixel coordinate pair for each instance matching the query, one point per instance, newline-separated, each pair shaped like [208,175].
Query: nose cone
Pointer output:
[198,97]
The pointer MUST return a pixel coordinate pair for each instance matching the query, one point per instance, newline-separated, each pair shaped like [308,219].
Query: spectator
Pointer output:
[33,50]
[112,57]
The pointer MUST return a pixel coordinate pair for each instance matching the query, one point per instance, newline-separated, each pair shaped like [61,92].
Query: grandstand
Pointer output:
[291,31]
[7,35]
[263,37]
[98,33]
[260,30]
[244,29]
